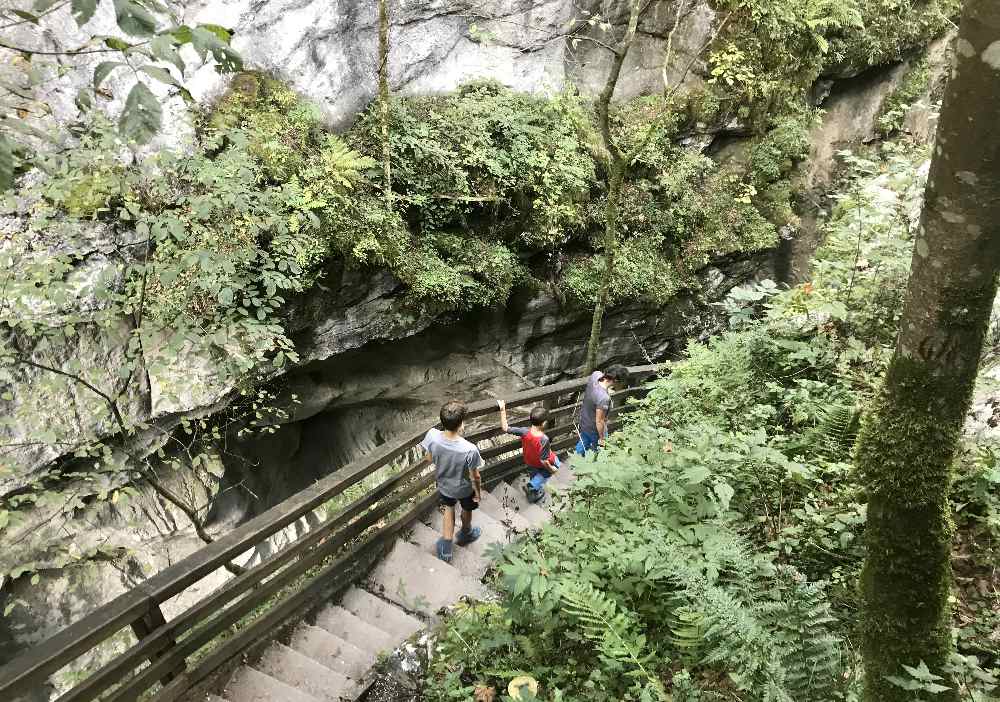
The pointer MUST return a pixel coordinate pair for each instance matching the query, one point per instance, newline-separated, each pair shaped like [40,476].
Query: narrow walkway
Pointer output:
[403,595]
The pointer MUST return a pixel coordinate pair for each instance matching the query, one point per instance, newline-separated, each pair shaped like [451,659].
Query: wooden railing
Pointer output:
[161,666]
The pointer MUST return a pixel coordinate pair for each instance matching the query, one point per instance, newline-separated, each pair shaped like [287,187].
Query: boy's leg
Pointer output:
[444,544]
[448,526]
[468,533]
[537,480]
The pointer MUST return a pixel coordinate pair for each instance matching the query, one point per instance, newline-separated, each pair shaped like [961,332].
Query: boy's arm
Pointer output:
[475,460]
[503,415]
[477,484]
[551,461]
[601,420]
[426,445]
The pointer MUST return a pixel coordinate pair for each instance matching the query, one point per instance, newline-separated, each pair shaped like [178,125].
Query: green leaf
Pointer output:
[222,33]
[160,74]
[83,100]
[117,44]
[207,42]
[163,48]
[226,296]
[141,118]
[83,10]
[134,19]
[27,16]
[103,70]
[6,164]
[725,493]
[182,34]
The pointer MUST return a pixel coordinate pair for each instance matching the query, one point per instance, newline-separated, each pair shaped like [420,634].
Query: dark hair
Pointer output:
[617,373]
[539,415]
[453,414]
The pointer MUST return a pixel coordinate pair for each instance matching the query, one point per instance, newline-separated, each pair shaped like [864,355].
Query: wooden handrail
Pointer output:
[139,607]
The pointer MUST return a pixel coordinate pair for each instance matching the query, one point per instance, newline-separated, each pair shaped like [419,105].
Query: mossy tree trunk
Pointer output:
[383,98]
[610,249]
[617,161]
[615,164]
[909,438]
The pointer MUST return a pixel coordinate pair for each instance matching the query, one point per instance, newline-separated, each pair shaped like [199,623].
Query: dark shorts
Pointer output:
[468,503]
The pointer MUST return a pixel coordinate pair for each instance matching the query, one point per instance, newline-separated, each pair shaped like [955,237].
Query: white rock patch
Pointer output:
[991,56]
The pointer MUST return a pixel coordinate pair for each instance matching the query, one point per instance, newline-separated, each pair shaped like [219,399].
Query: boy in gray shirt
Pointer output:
[456,464]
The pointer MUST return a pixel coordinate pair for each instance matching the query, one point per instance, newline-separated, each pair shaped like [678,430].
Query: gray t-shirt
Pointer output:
[595,397]
[453,460]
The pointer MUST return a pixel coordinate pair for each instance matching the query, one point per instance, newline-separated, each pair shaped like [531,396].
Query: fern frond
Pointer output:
[340,164]
[611,630]
[837,430]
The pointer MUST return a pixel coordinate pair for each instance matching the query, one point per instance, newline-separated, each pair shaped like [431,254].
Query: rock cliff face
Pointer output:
[327,49]
[369,365]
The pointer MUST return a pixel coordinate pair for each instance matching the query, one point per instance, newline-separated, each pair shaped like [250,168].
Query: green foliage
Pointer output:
[281,128]
[679,212]
[486,154]
[721,535]
[895,107]
[612,632]
[774,50]
[151,48]
[891,28]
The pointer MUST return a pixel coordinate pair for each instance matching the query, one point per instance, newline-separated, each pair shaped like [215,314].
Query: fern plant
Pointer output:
[612,631]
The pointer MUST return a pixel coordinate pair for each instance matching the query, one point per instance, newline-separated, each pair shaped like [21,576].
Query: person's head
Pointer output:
[453,415]
[539,416]
[615,376]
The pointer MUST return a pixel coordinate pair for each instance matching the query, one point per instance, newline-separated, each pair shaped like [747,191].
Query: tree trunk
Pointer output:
[909,438]
[615,181]
[383,97]
[616,165]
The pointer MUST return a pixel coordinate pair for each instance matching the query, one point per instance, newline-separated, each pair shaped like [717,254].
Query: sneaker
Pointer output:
[528,492]
[464,538]
[444,550]
[534,497]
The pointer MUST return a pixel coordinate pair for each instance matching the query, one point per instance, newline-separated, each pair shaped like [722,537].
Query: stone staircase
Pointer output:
[332,660]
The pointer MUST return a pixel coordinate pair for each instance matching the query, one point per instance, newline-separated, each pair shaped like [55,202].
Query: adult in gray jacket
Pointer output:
[593,421]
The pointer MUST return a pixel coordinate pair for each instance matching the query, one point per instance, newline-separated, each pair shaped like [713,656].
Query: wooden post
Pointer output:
[146,625]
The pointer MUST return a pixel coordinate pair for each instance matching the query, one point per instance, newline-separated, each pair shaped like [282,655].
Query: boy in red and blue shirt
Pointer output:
[535,446]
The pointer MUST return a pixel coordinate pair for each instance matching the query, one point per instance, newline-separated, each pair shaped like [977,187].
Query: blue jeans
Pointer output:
[587,442]
[540,476]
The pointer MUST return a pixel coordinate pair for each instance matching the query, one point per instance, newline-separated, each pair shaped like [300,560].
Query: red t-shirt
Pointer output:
[537,453]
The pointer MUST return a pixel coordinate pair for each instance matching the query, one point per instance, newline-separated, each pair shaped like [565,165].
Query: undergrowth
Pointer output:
[712,552]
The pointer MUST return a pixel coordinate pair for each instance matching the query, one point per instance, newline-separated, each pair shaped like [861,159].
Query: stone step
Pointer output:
[508,495]
[249,685]
[564,476]
[518,484]
[306,675]
[468,562]
[351,628]
[505,514]
[493,531]
[420,581]
[332,651]
[385,615]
